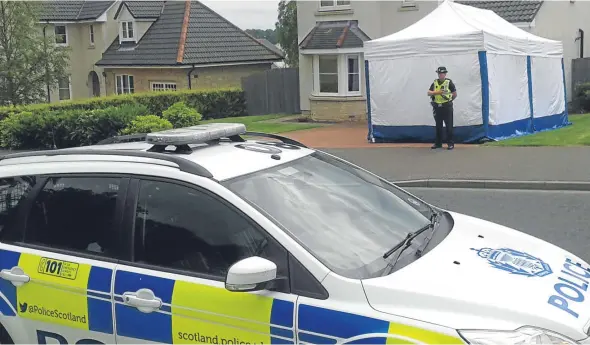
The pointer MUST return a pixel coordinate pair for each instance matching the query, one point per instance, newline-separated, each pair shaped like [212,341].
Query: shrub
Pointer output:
[217,103]
[180,115]
[65,128]
[581,97]
[147,124]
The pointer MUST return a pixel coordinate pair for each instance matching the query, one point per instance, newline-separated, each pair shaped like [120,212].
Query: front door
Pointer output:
[58,277]
[174,292]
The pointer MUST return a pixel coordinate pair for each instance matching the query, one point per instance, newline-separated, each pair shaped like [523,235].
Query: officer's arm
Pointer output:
[431,90]
[453,89]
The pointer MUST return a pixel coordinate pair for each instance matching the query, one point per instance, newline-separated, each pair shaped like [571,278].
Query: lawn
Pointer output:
[266,123]
[578,134]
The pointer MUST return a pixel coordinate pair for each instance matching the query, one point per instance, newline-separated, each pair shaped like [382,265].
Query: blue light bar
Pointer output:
[196,134]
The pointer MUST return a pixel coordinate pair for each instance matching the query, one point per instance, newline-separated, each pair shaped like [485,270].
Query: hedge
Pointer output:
[211,104]
[66,128]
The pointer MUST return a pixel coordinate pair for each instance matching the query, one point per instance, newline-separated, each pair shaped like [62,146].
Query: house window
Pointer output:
[91,30]
[163,86]
[334,3]
[337,75]
[127,32]
[328,73]
[64,87]
[125,84]
[61,35]
[353,73]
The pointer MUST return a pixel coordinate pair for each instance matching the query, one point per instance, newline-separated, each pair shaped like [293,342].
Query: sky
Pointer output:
[247,14]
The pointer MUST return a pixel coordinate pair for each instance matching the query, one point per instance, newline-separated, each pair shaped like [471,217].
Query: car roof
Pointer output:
[223,159]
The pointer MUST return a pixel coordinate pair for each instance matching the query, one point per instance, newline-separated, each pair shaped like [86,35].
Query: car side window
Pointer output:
[76,213]
[188,229]
[13,191]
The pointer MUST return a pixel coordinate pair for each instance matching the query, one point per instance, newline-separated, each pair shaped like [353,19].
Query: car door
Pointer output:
[173,291]
[58,264]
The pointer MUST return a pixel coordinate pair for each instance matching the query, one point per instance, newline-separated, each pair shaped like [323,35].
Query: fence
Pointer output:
[580,72]
[275,91]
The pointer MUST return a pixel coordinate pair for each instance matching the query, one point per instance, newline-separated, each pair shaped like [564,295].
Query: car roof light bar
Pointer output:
[199,134]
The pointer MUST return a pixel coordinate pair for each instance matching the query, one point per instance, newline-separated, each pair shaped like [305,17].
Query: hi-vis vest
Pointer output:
[444,86]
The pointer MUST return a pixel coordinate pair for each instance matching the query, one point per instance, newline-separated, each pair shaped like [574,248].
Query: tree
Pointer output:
[268,34]
[30,62]
[286,28]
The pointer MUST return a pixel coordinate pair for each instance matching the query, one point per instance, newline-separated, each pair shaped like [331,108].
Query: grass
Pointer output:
[578,134]
[266,123]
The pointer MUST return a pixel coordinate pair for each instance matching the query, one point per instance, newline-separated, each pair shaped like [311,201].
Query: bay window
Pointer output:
[337,74]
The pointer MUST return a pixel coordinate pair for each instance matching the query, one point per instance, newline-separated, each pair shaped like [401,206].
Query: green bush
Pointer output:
[66,128]
[217,103]
[180,115]
[581,97]
[147,124]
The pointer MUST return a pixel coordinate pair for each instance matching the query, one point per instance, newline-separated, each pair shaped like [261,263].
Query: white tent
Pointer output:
[509,82]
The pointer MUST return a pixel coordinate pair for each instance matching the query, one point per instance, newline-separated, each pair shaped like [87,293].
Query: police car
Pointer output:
[197,235]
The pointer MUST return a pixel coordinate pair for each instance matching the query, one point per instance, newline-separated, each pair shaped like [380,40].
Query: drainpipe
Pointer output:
[189,77]
[46,67]
[581,43]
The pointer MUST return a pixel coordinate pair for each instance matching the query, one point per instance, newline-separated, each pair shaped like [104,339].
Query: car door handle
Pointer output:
[15,275]
[144,300]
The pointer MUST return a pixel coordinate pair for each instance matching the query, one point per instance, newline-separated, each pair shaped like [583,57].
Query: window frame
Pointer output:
[318,76]
[69,90]
[131,90]
[342,75]
[164,85]
[408,3]
[334,5]
[137,238]
[124,31]
[118,230]
[91,34]
[66,35]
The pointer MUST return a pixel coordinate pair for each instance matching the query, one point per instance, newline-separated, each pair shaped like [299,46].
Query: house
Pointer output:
[121,47]
[277,49]
[331,35]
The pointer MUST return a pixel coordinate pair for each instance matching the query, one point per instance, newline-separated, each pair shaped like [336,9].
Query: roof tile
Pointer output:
[511,11]
[72,10]
[210,39]
[333,35]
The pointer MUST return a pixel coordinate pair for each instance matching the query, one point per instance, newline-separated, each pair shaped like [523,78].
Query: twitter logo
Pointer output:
[23,307]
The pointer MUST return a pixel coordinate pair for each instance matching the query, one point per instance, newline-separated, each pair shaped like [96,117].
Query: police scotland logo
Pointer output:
[515,262]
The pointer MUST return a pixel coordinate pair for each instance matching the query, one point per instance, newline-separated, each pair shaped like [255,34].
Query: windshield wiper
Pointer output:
[403,245]
[433,222]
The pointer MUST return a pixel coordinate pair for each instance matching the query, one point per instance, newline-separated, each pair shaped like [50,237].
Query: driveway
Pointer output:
[344,135]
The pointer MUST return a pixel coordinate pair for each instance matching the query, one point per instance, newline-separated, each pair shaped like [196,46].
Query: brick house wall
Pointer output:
[338,108]
[201,78]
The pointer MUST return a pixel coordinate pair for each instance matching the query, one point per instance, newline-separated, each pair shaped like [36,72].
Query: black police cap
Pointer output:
[441,69]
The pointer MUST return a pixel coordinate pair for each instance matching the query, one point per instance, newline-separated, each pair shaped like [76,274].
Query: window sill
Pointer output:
[62,45]
[334,11]
[408,8]
[91,47]
[339,98]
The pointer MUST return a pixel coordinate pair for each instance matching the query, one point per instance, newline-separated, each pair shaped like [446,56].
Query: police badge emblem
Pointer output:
[515,262]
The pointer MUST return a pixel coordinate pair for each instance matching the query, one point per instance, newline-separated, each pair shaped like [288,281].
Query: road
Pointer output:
[561,218]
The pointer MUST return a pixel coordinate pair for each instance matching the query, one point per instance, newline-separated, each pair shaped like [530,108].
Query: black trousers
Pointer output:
[444,115]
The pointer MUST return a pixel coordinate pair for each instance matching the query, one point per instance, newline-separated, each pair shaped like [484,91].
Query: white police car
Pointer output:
[198,236]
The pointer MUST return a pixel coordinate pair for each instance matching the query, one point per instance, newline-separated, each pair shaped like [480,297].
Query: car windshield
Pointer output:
[345,217]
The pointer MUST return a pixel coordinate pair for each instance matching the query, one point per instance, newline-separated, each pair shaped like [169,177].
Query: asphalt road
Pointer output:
[558,217]
[479,163]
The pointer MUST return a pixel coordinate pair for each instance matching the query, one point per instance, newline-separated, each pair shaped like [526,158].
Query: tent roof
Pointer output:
[454,28]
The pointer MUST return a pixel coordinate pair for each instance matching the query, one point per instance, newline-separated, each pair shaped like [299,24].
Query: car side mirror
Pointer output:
[250,274]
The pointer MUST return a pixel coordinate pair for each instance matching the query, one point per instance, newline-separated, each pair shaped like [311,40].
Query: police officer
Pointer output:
[443,92]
